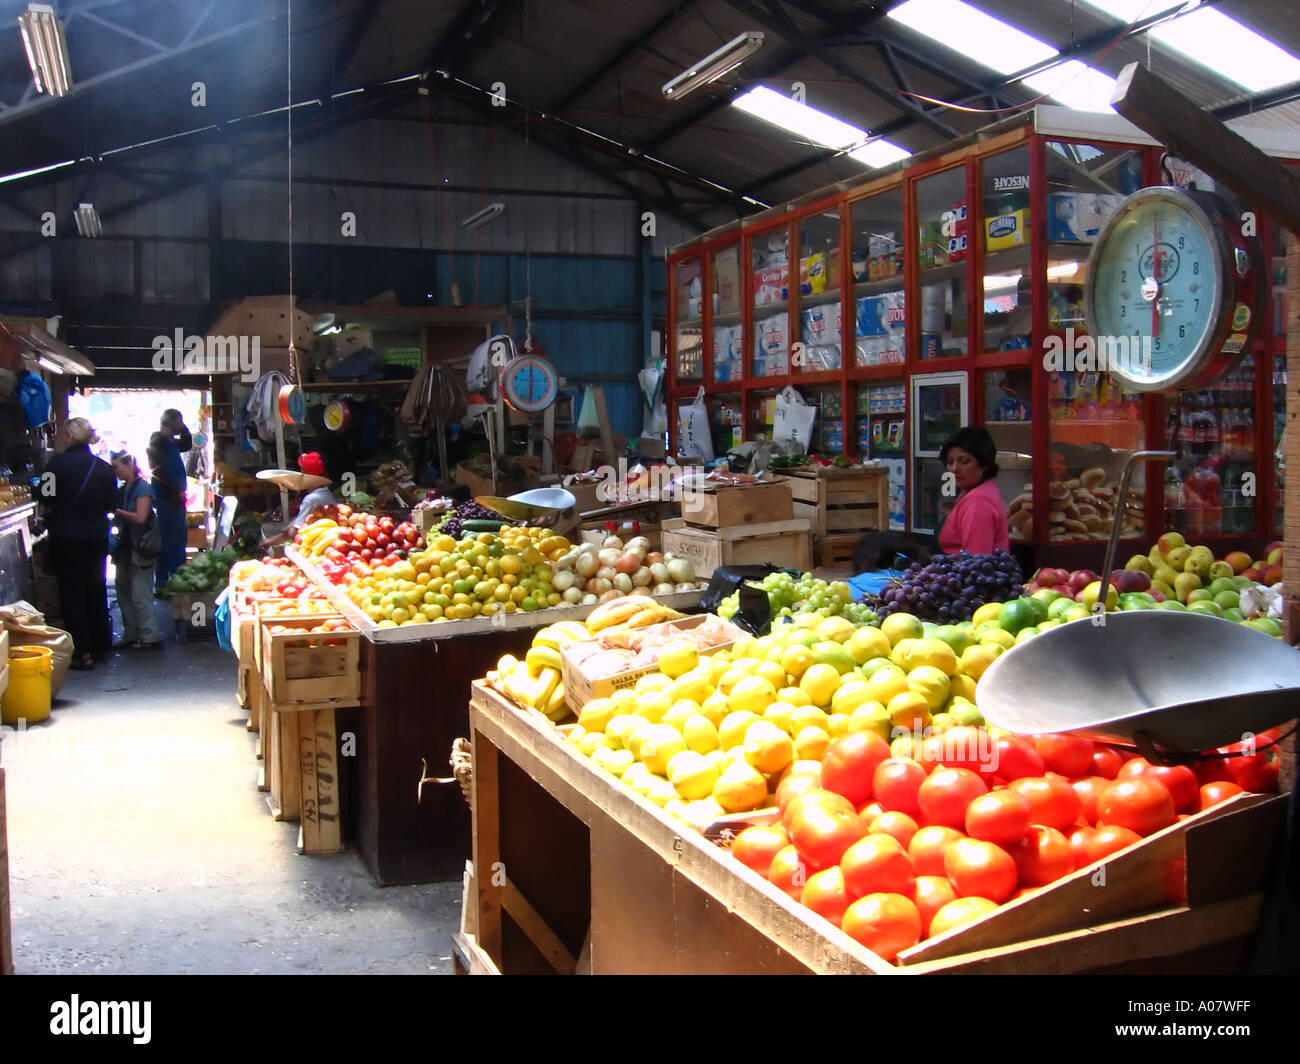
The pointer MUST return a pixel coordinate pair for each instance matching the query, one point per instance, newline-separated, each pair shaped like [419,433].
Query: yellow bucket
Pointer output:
[28,694]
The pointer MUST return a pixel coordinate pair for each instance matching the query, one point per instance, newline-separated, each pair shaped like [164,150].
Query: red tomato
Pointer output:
[1017,758]
[1042,856]
[931,894]
[895,783]
[898,825]
[868,811]
[960,912]
[1106,761]
[980,869]
[1212,770]
[927,848]
[1070,755]
[802,801]
[877,864]
[822,833]
[1214,793]
[1140,803]
[850,762]
[964,746]
[946,793]
[1110,839]
[788,872]
[1257,772]
[886,924]
[1089,789]
[999,816]
[929,752]
[1178,779]
[1052,801]
[756,846]
[825,894]
[1080,841]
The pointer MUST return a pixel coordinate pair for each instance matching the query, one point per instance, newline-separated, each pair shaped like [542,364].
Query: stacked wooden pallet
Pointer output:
[842,504]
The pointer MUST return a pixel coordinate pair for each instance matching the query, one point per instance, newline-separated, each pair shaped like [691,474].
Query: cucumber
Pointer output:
[479,524]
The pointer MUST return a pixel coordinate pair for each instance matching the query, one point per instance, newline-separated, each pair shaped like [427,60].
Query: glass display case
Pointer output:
[770,298]
[688,335]
[820,300]
[828,428]
[727,421]
[881,416]
[725,324]
[1007,304]
[939,408]
[943,242]
[1008,416]
[879,308]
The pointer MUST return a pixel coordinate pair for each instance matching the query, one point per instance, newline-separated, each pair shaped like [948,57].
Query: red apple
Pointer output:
[1126,580]
[1270,575]
[1157,594]
[1252,573]
[1049,577]
[1275,556]
[1080,579]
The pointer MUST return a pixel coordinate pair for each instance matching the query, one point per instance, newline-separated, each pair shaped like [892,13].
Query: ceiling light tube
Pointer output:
[47,49]
[487,214]
[712,67]
[88,223]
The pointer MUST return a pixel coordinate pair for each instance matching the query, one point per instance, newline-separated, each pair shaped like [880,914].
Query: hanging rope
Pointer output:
[293,345]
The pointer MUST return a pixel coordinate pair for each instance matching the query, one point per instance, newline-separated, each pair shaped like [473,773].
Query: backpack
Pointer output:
[34,396]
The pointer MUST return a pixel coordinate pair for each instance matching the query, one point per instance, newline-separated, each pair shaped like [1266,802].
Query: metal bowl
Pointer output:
[1162,679]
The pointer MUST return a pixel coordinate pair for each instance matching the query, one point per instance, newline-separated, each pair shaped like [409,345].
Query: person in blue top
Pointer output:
[168,471]
[140,627]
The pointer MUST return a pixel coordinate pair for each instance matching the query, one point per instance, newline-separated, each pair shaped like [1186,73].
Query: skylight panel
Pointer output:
[817,126]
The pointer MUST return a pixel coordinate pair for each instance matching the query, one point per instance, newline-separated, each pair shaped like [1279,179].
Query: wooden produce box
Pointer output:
[304,777]
[581,685]
[503,489]
[840,501]
[302,669]
[1186,900]
[785,544]
[735,507]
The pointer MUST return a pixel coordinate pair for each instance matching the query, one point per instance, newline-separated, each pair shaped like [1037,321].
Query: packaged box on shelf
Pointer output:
[341,345]
[772,284]
[1078,215]
[267,318]
[589,671]
[1007,230]
[726,273]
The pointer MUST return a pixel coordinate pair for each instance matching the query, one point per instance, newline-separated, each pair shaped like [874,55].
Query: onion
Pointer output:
[589,600]
[628,563]
[609,596]
[563,580]
[572,596]
[612,543]
[609,556]
[654,558]
[663,589]
[643,577]
[607,572]
[681,570]
[598,585]
[623,582]
[685,586]
[660,571]
[641,591]
[638,545]
[586,564]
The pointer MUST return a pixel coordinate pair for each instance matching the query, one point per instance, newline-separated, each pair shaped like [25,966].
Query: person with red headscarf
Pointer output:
[313,466]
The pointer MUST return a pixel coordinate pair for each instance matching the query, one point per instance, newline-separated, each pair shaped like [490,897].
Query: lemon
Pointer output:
[975,660]
[692,775]
[653,705]
[624,701]
[866,643]
[574,734]
[660,743]
[990,611]
[731,732]
[885,684]
[773,672]
[633,773]
[678,658]
[700,734]
[741,787]
[794,695]
[619,727]
[633,738]
[961,686]
[998,638]
[820,683]
[836,629]
[718,664]
[931,684]
[753,694]
[596,714]
[851,694]
[653,681]
[697,685]
[809,745]
[716,707]
[900,626]
[590,743]
[702,812]
[661,792]
[801,637]
[829,653]
[679,712]
[743,647]
[730,678]
[871,716]
[767,747]
[780,714]
[675,808]
[912,653]
[809,717]
[615,762]
[838,725]
[796,659]
[906,710]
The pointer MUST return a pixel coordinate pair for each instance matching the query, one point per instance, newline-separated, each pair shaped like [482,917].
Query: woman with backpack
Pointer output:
[138,544]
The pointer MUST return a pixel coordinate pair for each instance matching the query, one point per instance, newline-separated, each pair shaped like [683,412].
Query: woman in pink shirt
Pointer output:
[978,521]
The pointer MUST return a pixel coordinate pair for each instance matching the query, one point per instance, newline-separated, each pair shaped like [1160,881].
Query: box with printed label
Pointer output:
[1007,230]
[771,284]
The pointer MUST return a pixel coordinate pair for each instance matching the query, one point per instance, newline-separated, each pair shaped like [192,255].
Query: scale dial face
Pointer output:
[529,384]
[1161,288]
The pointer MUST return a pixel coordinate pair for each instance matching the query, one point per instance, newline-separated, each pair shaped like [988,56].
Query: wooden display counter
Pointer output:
[573,872]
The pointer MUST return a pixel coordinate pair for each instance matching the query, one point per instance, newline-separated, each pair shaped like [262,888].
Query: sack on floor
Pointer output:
[27,628]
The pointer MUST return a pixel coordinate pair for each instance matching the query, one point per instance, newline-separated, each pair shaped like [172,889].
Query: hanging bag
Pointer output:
[695,437]
[793,423]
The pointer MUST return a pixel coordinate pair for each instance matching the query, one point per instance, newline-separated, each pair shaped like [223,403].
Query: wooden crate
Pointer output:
[283,783]
[787,544]
[321,816]
[1185,899]
[735,507]
[836,552]
[840,501]
[308,670]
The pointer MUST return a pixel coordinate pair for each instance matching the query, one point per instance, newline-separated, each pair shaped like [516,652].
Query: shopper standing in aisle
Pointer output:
[138,544]
[168,471]
[978,521]
[84,492]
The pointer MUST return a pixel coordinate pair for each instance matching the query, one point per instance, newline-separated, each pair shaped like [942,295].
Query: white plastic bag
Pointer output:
[794,419]
[694,437]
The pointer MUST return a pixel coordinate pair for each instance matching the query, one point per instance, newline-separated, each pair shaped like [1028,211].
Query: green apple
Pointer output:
[1051,622]
[1233,614]
[1242,582]
[1046,595]
[1199,594]
[1077,612]
[1228,600]
[1267,625]
[1221,583]
[966,713]
[1205,606]
[1170,604]
[1058,609]
[1026,633]
[1136,600]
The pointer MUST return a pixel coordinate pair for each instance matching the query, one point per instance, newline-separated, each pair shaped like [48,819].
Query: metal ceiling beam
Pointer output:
[352,38]
[467,34]
[616,60]
[1259,101]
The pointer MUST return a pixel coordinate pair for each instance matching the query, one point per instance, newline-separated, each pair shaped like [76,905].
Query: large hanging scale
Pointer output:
[529,383]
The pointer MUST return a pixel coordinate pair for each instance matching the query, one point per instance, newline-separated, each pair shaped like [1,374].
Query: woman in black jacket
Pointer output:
[78,492]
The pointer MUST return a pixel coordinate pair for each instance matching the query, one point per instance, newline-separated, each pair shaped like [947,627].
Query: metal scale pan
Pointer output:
[1167,682]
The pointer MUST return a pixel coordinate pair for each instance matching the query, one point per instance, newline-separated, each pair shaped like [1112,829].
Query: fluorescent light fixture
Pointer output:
[712,67]
[39,170]
[45,363]
[1001,282]
[487,214]
[1209,37]
[1006,49]
[818,127]
[47,49]
[1064,269]
[88,223]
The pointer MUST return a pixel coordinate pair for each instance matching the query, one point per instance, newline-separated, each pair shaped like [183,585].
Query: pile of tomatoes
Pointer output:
[897,844]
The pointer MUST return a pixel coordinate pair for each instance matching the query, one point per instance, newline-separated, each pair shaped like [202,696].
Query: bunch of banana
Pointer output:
[630,611]
[533,682]
[313,538]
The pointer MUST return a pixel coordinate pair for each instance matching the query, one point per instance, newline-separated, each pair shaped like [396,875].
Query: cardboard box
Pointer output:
[726,281]
[341,345]
[1007,230]
[587,495]
[483,486]
[268,318]
[582,685]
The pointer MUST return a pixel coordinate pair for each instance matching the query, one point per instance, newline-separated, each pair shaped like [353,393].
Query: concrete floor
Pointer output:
[139,843]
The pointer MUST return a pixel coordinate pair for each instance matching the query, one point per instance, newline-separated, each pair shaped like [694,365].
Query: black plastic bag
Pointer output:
[755,612]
